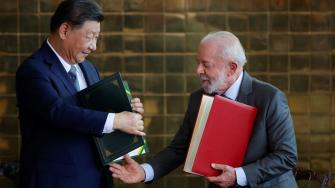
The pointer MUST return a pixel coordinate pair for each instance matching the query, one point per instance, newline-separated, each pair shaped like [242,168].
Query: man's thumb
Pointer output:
[128,159]
[218,166]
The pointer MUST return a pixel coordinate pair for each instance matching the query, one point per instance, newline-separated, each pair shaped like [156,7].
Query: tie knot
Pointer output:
[73,69]
[73,72]
[73,76]
[221,94]
[216,93]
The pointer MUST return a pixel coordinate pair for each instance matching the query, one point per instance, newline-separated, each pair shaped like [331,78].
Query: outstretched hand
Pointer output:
[227,177]
[130,172]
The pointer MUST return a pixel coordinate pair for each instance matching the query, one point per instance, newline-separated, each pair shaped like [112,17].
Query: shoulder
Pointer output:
[265,89]
[32,64]
[196,95]
[37,59]
[264,95]
[90,68]
[89,64]
[195,100]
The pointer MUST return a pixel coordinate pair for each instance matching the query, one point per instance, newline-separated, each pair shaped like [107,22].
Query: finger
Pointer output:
[138,109]
[213,179]
[135,100]
[137,104]
[116,176]
[114,170]
[115,165]
[138,116]
[140,127]
[129,160]
[140,123]
[127,156]
[140,133]
[219,166]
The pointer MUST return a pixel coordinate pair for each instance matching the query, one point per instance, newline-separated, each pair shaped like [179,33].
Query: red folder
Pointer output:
[221,135]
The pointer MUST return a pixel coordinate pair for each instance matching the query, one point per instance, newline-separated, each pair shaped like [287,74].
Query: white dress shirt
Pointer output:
[108,127]
[231,93]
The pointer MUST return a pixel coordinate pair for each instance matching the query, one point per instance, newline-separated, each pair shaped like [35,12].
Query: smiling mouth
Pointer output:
[205,81]
[85,53]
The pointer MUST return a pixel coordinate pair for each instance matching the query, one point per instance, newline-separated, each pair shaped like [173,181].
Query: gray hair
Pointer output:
[232,51]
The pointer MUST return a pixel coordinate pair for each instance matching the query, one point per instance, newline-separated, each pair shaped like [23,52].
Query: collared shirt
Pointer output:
[232,93]
[108,127]
[67,67]
[233,90]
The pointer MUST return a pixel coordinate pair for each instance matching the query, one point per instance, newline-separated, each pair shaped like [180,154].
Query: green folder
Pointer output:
[112,94]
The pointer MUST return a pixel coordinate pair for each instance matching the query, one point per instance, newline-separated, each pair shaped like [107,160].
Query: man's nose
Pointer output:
[200,69]
[93,46]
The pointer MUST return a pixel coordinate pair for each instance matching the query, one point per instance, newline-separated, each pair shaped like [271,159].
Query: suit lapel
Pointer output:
[89,73]
[60,72]
[57,68]
[245,89]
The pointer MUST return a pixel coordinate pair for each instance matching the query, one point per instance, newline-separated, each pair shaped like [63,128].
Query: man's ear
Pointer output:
[64,30]
[232,67]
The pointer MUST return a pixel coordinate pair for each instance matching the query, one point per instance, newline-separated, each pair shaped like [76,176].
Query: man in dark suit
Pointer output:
[271,153]
[58,150]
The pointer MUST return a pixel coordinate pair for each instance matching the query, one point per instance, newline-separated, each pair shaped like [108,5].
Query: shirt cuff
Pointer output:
[149,172]
[109,123]
[241,178]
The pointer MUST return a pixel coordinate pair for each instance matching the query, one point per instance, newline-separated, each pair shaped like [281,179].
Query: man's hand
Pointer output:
[129,122]
[137,106]
[130,172]
[226,178]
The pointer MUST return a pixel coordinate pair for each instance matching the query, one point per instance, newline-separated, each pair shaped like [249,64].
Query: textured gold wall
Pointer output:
[289,43]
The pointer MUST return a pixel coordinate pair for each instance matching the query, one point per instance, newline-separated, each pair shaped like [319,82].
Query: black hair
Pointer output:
[76,12]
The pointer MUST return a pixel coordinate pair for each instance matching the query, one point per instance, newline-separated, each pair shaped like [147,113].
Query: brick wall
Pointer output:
[289,43]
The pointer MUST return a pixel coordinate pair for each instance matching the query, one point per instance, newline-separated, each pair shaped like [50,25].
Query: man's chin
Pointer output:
[206,89]
[80,60]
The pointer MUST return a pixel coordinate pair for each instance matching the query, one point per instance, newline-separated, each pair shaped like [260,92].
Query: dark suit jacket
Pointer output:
[57,147]
[271,152]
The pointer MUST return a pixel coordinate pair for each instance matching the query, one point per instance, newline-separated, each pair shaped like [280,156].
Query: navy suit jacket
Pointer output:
[272,151]
[57,147]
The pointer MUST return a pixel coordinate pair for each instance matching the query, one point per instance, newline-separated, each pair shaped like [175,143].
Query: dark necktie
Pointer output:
[222,95]
[73,76]
[225,96]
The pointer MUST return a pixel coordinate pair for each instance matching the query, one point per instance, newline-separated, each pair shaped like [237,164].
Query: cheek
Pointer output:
[79,49]
[79,44]
[213,75]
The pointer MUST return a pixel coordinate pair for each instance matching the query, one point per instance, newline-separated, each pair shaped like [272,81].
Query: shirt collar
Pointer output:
[233,90]
[65,64]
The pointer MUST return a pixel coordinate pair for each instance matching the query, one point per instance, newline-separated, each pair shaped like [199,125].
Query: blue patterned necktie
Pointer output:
[73,76]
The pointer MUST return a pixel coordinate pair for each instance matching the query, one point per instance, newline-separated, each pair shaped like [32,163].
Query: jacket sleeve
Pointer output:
[281,154]
[43,101]
[175,153]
